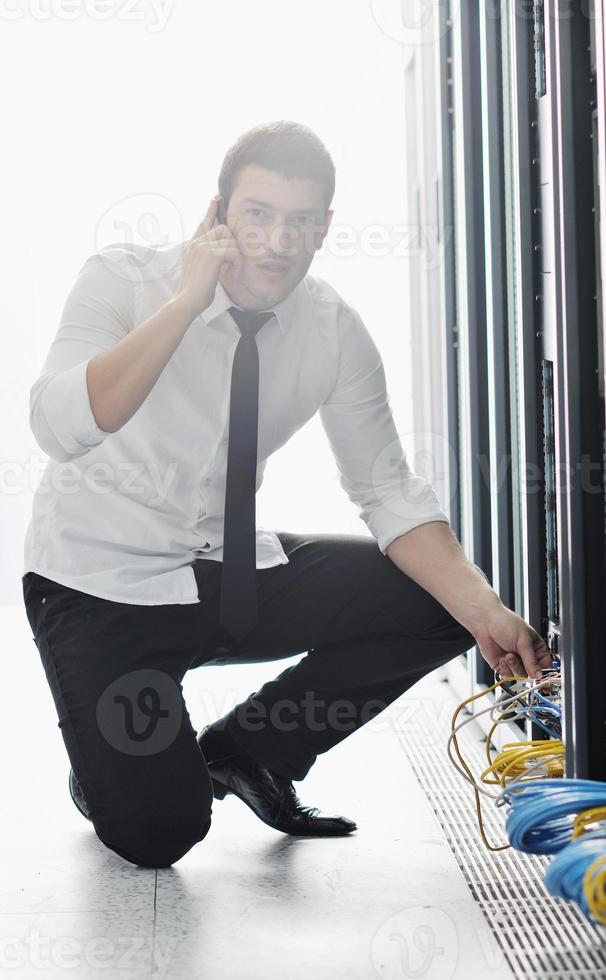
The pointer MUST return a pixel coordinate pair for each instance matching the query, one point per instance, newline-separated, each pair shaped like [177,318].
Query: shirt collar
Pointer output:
[284,310]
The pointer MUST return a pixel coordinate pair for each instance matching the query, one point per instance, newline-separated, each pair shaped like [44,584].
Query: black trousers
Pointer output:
[115,672]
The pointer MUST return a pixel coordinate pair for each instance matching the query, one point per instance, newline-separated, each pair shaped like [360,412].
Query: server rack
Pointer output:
[519,92]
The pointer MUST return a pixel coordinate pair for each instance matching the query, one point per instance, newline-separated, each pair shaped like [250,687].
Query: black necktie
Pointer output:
[238,604]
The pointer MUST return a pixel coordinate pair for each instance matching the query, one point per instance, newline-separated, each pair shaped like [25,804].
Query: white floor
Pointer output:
[388,901]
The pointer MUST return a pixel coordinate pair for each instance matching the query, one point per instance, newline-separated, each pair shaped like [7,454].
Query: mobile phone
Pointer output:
[220,219]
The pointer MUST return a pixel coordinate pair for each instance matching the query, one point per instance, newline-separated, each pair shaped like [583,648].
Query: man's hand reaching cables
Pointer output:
[510,645]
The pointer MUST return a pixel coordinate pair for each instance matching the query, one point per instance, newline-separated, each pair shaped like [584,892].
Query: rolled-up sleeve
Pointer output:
[358,421]
[98,312]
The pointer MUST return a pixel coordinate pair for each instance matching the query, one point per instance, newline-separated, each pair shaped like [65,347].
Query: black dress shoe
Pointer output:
[271,796]
[75,791]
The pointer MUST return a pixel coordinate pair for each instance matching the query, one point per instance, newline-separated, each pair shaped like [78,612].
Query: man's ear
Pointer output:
[321,233]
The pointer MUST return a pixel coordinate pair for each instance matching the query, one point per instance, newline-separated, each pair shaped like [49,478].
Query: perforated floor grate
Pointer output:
[542,937]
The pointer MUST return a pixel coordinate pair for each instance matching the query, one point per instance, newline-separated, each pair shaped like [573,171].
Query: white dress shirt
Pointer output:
[124,515]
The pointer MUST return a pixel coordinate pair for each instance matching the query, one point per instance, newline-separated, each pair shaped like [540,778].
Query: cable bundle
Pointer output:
[594,889]
[547,815]
[540,820]
[554,816]
[513,759]
[578,874]
[546,714]
[507,768]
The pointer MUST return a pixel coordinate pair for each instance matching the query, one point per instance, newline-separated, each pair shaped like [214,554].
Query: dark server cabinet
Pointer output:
[573,371]
[519,96]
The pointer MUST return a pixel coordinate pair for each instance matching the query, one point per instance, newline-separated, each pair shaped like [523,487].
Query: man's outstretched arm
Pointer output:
[432,555]
[403,512]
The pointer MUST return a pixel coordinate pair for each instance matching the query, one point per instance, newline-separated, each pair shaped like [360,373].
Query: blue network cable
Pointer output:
[540,819]
[548,731]
[549,705]
[564,875]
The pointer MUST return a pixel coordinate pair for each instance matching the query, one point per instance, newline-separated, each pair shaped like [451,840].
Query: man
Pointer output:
[174,375]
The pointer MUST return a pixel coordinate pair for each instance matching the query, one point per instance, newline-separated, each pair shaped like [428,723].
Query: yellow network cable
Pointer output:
[512,759]
[491,732]
[594,887]
[508,715]
[474,697]
[582,820]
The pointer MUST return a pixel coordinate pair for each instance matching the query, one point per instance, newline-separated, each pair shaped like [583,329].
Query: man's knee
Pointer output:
[156,841]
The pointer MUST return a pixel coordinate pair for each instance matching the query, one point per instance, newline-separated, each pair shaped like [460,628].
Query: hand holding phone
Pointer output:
[203,257]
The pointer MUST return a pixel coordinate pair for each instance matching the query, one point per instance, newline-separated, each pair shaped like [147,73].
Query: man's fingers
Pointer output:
[528,654]
[541,650]
[512,646]
[225,247]
[516,666]
[207,221]
[491,651]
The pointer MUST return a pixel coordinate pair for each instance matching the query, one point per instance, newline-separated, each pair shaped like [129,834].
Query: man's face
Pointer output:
[277,222]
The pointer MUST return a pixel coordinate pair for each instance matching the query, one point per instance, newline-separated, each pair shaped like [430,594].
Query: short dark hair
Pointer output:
[288,148]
